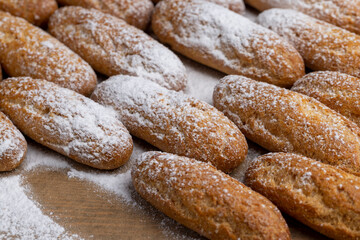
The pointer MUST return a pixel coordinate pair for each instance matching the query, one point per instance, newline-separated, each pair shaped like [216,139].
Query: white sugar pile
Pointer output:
[38,156]
[119,183]
[21,218]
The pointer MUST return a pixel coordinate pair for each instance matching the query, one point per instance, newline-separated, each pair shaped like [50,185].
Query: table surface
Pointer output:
[91,204]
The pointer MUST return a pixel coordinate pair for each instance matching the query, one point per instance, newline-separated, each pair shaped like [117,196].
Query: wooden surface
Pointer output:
[75,196]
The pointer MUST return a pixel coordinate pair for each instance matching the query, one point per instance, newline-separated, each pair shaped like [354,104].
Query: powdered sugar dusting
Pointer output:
[118,183]
[24,219]
[204,80]
[237,6]
[40,157]
[113,47]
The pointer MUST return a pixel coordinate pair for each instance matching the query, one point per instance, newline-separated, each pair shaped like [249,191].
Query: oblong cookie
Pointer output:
[338,91]
[322,45]
[66,122]
[319,195]
[34,11]
[226,41]
[343,13]
[112,47]
[206,200]
[237,6]
[26,50]
[173,121]
[13,145]
[281,120]
[134,12]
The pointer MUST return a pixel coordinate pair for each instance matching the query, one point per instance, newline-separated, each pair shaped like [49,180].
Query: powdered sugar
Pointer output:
[21,218]
[204,80]
[116,183]
[47,44]
[40,157]
[237,6]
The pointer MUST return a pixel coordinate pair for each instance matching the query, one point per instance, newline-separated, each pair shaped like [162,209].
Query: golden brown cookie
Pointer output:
[322,45]
[221,39]
[173,121]
[281,120]
[206,200]
[338,91]
[13,145]
[113,47]
[343,13]
[134,12]
[318,195]
[66,122]
[34,11]
[26,50]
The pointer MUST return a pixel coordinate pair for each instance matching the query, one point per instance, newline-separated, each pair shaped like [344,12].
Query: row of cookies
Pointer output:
[89,133]
[170,111]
